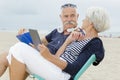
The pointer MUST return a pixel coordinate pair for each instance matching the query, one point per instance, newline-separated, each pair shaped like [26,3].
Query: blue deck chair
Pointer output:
[81,71]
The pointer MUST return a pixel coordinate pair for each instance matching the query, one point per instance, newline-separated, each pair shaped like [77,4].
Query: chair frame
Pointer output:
[85,66]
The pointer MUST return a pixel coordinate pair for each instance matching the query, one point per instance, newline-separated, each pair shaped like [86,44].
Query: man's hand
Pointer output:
[21,31]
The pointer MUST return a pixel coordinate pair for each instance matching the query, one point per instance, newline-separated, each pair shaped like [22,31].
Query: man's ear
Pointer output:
[77,16]
[60,16]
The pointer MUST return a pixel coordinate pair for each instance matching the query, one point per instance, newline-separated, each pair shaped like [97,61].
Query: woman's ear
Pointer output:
[91,24]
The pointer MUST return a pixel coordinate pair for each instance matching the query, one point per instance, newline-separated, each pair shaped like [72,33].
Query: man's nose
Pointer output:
[69,18]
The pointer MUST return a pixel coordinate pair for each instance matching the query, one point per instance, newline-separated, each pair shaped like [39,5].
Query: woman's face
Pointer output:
[85,23]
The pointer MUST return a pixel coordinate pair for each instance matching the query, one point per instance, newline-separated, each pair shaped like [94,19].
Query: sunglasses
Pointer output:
[68,5]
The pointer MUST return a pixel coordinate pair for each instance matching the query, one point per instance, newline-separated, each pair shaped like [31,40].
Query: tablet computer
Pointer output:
[35,38]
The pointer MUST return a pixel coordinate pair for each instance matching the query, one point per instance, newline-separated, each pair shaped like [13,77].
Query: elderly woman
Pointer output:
[72,55]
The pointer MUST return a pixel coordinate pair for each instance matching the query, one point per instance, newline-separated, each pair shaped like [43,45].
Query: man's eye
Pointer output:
[72,15]
[66,16]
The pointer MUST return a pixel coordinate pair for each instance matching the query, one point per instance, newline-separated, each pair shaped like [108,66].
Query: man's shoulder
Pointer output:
[55,32]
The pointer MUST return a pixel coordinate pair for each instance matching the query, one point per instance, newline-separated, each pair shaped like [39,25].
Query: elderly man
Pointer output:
[55,39]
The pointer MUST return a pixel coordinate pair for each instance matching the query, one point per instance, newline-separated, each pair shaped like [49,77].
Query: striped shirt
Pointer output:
[73,50]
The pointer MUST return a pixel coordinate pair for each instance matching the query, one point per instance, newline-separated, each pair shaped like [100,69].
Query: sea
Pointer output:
[48,29]
[42,30]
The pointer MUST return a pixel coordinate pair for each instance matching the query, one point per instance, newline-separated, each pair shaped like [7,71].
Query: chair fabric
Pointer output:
[81,71]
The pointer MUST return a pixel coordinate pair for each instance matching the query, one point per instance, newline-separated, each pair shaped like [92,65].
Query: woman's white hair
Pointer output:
[99,17]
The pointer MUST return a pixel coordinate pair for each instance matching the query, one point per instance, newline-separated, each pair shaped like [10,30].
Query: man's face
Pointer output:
[69,17]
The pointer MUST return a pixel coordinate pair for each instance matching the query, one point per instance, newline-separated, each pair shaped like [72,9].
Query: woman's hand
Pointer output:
[44,51]
[75,35]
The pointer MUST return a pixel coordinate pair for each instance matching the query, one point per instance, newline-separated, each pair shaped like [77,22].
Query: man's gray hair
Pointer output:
[68,5]
[99,17]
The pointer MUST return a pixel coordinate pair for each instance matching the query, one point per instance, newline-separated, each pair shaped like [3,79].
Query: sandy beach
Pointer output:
[109,69]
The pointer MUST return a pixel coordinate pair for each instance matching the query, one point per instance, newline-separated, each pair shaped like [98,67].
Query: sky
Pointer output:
[45,13]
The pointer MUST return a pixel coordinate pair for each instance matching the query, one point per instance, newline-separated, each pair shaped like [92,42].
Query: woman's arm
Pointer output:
[61,49]
[55,58]
[52,58]
[75,35]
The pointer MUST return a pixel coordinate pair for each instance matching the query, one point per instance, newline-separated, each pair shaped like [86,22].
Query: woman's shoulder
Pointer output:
[96,40]
[96,43]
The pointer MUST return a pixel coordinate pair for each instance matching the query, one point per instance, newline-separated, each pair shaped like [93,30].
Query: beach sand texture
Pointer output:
[109,68]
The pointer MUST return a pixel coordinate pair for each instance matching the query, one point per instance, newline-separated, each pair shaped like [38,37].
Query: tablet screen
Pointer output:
[35,38]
